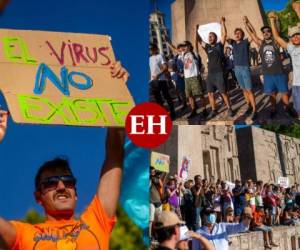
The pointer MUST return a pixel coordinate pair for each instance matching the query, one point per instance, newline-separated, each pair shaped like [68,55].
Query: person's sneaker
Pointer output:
[230,112]
[211,114]
[192,114]
[253,116]
[268,246]
[274,245]
[249,110]
[291,112]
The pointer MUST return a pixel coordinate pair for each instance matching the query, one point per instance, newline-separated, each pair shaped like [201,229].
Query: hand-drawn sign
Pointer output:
[61,78]
[185,167]
[160,162]
[283,182]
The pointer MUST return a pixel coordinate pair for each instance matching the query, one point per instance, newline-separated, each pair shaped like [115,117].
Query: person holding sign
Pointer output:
[55,191]
[215,78]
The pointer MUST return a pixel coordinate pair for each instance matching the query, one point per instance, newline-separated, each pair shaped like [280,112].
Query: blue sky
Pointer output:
[26,147]
[164,6]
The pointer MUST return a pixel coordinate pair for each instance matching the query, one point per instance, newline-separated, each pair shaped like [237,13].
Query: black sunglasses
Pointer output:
[51,183]
[266,31]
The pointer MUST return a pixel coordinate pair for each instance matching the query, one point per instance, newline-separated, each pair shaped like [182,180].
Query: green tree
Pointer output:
[126,235]
[287,17]
[289,130]
[33,217]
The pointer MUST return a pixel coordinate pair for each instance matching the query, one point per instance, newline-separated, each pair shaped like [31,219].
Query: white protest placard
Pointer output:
[283,182]
[204,30]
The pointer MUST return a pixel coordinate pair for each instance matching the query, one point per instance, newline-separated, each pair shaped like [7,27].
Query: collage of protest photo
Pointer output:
[150,125]
[228,175]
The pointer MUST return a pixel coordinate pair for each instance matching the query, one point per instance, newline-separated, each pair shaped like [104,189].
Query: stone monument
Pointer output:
[186,14]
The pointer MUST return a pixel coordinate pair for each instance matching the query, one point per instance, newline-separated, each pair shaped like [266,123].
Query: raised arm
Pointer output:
[171,45]
[223,30]
[251,31]
[3,123]
[111,174]
[205,243]
[198,40]
[7,230]
[296,7]
[8,234]
[273,17]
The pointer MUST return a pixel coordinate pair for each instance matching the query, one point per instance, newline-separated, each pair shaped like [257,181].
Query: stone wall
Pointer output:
[212,149]
[265,155]
[228,153]
[288,238]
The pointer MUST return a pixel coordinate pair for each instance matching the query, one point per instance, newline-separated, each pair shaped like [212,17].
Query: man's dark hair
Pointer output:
[265,27]
[189,45]
[214,34]
[163,234]
[180,45]
[241,30]
[153,46]
[57,166]
[196,177]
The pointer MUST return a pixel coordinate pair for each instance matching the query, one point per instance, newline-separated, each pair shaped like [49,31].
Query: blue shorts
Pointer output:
[243,76]
[296,98]
[263,228]
[275,83]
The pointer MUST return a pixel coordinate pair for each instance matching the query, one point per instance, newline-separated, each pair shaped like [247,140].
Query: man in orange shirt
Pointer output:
[258,225]
[55,190]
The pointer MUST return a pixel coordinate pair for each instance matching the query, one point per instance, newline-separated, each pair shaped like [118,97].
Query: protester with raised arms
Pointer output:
[293,48]
[275,80]
[241,46]
[215,78]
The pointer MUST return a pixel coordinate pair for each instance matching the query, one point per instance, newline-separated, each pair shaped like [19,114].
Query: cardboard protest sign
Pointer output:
[184,169]
[204,30]
[283,182]
[160,162]
[61,78]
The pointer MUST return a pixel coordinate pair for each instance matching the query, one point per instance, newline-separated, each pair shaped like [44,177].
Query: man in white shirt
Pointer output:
[293,48]
[159,80]
[192,77]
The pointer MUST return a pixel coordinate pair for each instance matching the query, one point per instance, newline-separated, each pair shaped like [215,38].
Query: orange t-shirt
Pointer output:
[91,232]
[258,218]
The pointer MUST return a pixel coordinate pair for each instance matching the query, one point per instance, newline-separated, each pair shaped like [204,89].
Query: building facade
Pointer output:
[158,31]
[212,150]
[265,155]
[223,152]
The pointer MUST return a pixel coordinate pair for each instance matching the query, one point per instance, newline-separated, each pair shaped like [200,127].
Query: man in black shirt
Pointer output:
[216,58]
[275,79]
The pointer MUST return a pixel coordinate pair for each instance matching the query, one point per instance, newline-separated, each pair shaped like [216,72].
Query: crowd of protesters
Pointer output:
[198,201]
[229,58]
